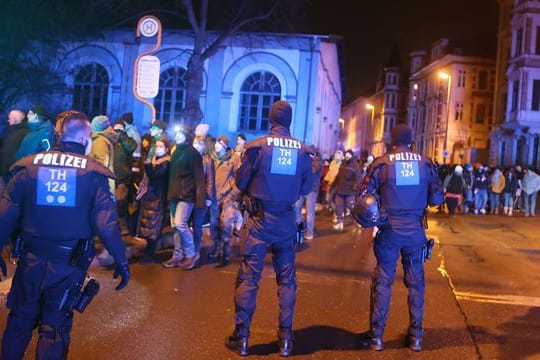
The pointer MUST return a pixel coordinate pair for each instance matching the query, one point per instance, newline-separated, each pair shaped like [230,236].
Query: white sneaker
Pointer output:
[483,211]
[338,226]
[308,236]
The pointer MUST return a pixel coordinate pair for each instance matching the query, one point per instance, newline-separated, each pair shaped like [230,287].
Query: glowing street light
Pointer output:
[448,77]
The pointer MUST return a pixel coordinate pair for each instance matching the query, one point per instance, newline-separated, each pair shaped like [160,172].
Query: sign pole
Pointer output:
[147,67]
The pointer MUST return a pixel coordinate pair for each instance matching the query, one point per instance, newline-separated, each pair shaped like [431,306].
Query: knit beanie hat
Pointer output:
[38,110]
[100,123]
[401,135]
[202,130]
[160,124]
[281,114]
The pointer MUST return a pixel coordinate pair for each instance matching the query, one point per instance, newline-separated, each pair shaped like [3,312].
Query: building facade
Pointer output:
[248,73]
[451,103]
[517,99]
[368,121]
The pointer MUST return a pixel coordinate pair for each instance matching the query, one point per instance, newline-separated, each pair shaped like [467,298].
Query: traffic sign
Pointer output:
[148,70]
[149,26]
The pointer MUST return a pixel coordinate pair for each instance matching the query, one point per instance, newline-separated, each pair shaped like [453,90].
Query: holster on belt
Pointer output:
[83,254]
[252,206]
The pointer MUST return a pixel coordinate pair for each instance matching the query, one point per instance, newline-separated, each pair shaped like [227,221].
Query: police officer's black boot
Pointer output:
[238,341]
[414,343]
[285,337]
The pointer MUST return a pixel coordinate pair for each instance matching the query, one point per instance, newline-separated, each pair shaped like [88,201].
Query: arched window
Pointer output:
[259,91]
[171,98]
[91,89]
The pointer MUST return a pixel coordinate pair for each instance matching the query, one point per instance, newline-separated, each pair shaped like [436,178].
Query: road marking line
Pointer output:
[485,298]
[499,299]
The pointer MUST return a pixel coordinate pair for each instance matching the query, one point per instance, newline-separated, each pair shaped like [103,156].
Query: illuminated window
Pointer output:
[257,94]
[171,98]
[90,90]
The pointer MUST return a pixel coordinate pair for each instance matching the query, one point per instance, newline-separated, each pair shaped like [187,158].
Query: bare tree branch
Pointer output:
[188,4]
[212,49]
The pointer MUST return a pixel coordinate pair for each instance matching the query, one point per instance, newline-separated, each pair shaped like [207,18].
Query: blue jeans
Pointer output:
[480,199]
[310,201]
[508,200]
[183,237]
[343,202]
[494,201]
[529,203]
[199,214]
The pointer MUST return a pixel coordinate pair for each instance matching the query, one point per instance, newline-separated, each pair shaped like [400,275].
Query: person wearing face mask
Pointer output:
[329,178]
[186,191]
[200,214]
[40,136]
[225,216]
[123,157]
[158,127]
[153,199]
[345,187]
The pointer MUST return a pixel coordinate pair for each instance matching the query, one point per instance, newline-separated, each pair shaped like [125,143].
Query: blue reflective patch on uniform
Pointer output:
[407,173]
[284,161]
[56,186]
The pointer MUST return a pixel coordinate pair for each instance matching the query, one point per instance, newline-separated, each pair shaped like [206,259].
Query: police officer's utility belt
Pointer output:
[48,249]
[276,206]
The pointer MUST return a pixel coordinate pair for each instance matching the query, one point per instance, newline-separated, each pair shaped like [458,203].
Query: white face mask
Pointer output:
[160,152]
[179,138]
[348,156]
[219,147]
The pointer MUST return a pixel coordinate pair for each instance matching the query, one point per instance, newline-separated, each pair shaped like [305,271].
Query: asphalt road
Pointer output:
[482,301]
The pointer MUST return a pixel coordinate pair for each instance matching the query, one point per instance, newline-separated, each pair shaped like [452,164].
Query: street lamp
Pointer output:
[369,134]
[448,77]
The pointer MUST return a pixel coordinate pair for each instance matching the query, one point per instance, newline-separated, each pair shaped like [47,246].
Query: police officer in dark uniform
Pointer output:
[275,171]
[405,183]
[61,199]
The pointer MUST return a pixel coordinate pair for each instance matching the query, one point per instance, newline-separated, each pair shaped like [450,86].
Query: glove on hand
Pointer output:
[122,270]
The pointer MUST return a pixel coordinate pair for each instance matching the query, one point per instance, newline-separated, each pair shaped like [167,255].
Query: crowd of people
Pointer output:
[479,189]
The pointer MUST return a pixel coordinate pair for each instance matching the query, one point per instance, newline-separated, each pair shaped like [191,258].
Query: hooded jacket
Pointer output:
[40,137]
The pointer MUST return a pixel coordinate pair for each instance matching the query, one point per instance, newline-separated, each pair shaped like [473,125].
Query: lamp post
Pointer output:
[370,127]
[448,77]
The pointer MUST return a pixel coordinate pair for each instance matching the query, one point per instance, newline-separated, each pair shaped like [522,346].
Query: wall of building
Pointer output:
[306,67]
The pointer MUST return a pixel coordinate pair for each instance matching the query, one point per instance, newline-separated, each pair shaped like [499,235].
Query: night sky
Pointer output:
[414,24]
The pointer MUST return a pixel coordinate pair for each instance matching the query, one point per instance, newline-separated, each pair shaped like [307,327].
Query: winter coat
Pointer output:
[153,204]
[103,150]
[13,137]
[40,137]
[332,171]
[531,182]
[133,133]
[209,177]
[123,156]
[510,183]
[186,176]
[497,181]
[316,169]
[225,165]
[454,184]
[481,182]
[348,177]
